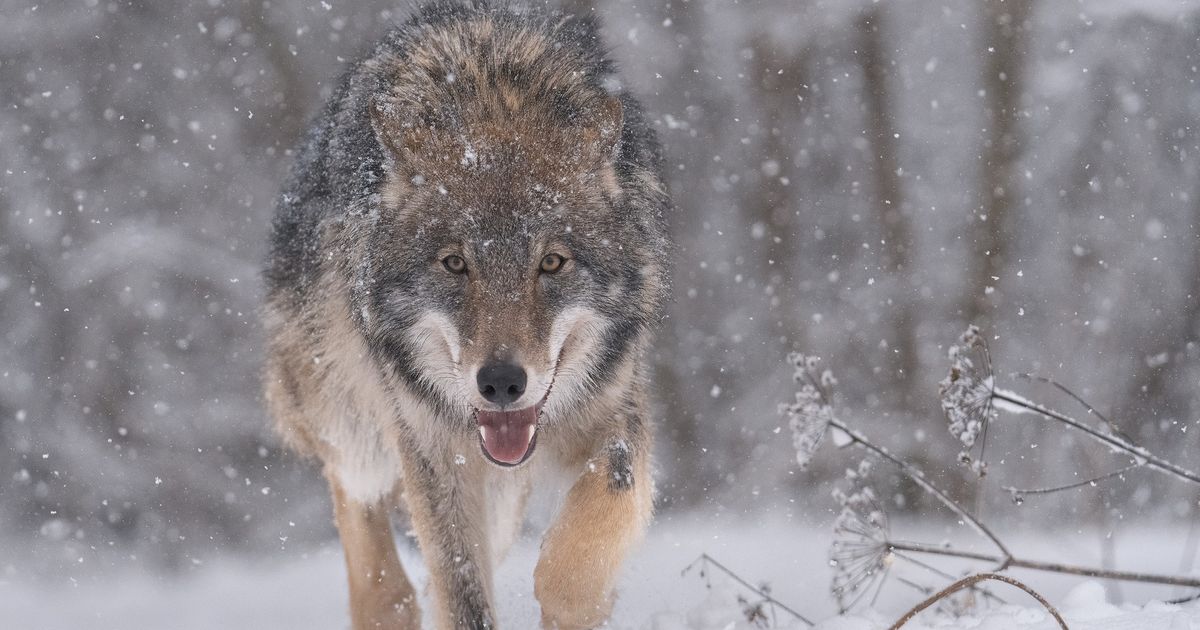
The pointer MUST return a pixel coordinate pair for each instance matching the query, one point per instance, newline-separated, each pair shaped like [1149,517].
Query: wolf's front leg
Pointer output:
[448,514]
[381,597]
[605,513]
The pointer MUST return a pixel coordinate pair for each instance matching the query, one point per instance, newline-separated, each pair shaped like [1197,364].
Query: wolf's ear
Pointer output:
[604,125]
[396,138]
[405,135]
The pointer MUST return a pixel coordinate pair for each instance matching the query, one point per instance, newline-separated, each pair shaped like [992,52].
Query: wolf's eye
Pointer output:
[454,264]
[551,263]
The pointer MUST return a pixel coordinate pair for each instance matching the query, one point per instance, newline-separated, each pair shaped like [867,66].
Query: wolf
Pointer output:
[468,263]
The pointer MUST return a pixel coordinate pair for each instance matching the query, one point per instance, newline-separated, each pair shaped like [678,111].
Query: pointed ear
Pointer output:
[394,136]
[409,137]
[605,123]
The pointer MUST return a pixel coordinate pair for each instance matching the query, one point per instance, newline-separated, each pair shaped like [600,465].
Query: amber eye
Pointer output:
[552,263]
[454,264]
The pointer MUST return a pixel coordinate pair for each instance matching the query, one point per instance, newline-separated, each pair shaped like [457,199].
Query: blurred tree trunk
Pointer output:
[769,204]
[689,363]
[894,211]
[1155,392]
[1162,379]
[1005,30]
[290,99]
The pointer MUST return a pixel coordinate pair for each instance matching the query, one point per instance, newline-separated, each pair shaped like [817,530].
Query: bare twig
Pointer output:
[1053,567]
[1019,493]
[918,477]
[930,568]
[1184,600]
[706,560]
[1116,442]
[1112,426]
[920,588]
[970,581]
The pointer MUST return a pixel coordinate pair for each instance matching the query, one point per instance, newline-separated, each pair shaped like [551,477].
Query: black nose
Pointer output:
[501,383]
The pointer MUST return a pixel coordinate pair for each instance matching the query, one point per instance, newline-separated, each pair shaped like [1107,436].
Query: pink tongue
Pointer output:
[507,435]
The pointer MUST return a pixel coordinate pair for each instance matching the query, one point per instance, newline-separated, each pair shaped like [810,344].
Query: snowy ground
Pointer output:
[306,590]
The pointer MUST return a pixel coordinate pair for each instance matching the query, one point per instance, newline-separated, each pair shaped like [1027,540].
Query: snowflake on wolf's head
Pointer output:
[811,414]
[860,554]
[966,392]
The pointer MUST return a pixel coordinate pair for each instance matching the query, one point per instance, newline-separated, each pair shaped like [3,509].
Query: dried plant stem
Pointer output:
[1071,486]
[705,560]
[1053,567]
[972,580]
[1077,398]
[918,477]
[1187,599]
[938,572]
[1141,455]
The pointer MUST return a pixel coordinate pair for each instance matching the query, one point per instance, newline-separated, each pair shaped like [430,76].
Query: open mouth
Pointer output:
[508,437]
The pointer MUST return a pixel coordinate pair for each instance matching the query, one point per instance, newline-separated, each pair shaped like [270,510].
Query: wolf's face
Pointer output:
[507,282]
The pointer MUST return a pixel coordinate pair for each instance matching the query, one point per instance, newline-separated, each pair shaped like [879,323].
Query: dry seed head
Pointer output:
[966,392]
[860,554]
[811,414]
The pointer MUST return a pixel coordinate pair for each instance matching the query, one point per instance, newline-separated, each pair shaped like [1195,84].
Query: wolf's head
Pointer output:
[517,259]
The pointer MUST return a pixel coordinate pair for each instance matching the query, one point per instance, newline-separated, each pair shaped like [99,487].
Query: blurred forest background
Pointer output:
[855,179]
